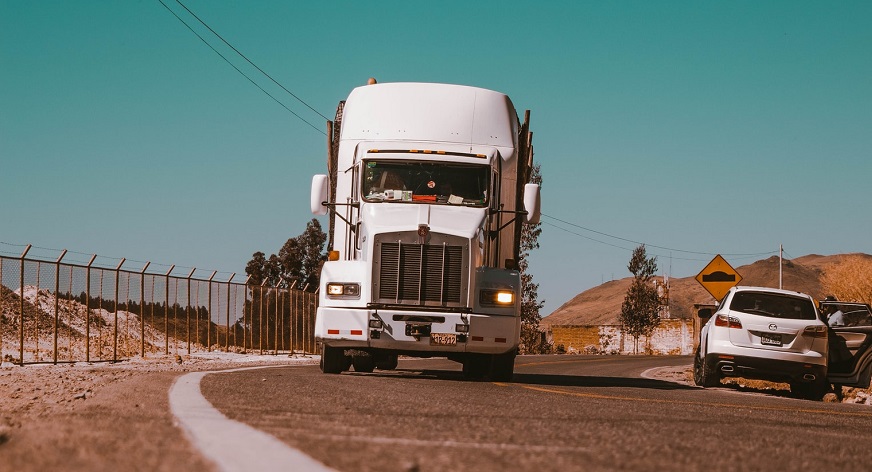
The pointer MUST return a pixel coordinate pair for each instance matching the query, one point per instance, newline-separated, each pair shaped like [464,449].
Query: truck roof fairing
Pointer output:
[431,112]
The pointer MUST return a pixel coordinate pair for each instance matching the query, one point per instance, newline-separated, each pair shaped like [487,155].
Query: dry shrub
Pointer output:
[850,279]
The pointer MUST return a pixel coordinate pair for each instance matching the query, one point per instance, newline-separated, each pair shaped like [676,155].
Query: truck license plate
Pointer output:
[443,339]
[770,339]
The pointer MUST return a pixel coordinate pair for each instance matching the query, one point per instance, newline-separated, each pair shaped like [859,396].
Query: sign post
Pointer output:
[718,277]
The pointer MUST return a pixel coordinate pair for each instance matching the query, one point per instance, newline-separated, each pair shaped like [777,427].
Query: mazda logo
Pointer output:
[772,327]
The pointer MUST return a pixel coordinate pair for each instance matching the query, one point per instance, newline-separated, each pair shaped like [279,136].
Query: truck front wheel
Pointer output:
[475,366]
[333,360]
[502,367]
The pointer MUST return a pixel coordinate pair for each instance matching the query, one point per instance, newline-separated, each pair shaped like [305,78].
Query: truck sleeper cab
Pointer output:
[423,193]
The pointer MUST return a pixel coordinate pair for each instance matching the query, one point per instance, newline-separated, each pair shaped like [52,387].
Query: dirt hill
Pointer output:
[601,305]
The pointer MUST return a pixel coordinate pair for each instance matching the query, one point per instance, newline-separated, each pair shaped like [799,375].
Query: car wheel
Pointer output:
[703,375]
[333,360]
[363,363]
[809,390]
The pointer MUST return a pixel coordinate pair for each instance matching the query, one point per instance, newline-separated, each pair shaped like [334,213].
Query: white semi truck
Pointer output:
[427,189]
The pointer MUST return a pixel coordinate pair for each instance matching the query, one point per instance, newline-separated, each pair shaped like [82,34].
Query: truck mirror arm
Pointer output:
[332,208]
[517,214]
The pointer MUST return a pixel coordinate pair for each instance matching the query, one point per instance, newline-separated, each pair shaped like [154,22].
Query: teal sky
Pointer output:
[695,127]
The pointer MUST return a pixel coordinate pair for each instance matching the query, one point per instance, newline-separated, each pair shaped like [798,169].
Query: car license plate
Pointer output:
[443,339]
[770,339]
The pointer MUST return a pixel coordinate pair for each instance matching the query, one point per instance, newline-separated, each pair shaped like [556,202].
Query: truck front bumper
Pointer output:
[417,331]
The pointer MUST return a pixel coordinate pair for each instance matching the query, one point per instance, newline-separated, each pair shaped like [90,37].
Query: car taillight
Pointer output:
[816,331]
[728,321]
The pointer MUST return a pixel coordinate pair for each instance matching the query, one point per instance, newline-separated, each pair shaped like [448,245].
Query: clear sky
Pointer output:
[695,127]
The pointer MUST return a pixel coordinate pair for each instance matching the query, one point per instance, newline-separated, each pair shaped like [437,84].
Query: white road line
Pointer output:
[231,445]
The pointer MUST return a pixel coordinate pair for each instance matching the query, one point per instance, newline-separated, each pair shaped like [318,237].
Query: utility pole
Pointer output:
[780,264]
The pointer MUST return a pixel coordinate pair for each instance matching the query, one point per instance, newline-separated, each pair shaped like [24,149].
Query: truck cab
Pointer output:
[426,193]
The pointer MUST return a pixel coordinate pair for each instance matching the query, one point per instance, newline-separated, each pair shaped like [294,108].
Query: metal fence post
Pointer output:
[167,312]
[56,303]
[88,309]
[209,319]
[276,311]
[305,319]
[115,333]
[188,311]
[142,310]
[292,315]
[247,317]
[21,301]
[227,332]
[260,318]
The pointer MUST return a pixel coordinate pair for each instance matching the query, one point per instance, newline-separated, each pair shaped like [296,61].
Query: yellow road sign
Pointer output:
[718,277]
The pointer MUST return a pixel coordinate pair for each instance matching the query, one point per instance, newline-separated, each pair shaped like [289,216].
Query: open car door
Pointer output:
[850,339]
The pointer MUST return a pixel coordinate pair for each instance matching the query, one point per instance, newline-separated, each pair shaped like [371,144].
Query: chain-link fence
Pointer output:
[72,307]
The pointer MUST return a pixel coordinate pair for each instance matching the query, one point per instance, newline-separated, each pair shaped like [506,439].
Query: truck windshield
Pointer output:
[425,182]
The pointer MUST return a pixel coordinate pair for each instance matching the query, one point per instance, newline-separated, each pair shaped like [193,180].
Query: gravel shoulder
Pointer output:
[684,375]
[103,416]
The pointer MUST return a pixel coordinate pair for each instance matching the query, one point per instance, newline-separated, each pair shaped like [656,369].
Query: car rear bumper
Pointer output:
[777,370]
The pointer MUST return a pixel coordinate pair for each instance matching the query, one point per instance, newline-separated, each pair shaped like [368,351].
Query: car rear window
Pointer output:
[773,305]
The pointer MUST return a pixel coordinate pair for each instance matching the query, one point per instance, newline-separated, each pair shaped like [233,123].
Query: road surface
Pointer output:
[560,413]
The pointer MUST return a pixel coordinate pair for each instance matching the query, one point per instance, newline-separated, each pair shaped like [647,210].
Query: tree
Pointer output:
[531,336]
[640,311]
[299,259]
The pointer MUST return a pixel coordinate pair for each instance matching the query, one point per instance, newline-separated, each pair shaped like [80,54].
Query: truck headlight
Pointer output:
[497,297]
[343,290]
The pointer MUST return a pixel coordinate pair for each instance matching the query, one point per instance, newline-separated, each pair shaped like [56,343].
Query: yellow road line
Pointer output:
[686,402]
[569,361]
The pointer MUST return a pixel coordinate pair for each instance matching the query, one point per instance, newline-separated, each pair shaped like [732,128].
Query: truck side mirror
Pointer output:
[320,185]
[532,204]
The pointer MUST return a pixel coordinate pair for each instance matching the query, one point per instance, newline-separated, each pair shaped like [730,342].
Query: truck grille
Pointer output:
[419,274]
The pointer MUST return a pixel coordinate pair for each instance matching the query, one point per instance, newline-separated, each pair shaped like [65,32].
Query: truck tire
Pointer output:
[475,366]
[333,360]
[502,367]
[363,363]
[388,362]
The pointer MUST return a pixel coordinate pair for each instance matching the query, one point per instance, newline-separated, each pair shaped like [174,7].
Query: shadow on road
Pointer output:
[553,380]
[556,380]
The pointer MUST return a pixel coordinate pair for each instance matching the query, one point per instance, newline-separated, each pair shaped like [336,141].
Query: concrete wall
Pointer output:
[671,337]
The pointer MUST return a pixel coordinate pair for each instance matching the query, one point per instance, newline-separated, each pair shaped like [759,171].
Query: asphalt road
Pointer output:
[559,413]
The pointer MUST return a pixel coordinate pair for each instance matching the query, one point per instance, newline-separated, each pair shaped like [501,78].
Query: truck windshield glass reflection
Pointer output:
[430,182]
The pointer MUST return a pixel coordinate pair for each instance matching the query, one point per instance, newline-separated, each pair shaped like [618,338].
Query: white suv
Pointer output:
[767,334]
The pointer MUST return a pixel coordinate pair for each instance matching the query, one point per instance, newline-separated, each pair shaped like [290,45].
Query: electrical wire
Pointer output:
[240,71]
[621,247]
[650,245]
[249,61]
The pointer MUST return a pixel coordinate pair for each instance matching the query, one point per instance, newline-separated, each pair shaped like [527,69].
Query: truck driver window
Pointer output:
[425,182]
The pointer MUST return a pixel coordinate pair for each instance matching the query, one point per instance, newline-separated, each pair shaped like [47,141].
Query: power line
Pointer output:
[249,61]
[619,247]
[652,245]
[238,70]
